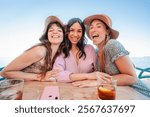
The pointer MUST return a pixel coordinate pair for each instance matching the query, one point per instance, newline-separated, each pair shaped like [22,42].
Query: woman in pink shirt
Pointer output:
[79,59]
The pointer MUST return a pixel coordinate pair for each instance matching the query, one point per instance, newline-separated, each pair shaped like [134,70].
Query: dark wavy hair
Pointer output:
[82,42]
[45,42]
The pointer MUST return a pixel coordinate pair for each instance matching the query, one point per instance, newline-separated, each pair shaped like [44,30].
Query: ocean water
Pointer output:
[5,60]
[142,62]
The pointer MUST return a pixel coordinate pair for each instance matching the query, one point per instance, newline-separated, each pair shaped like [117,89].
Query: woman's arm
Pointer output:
[60,65]
[81,76]
[119,56]
[65,75]
[128,75]
[90,76]
[13,70]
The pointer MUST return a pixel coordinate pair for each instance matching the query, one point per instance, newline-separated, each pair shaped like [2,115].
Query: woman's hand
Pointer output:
[50,75]
[93,79]
[103,77]
[85,83]
[96,75]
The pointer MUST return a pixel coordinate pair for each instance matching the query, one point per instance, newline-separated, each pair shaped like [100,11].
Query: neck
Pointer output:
[101,45]
[54,49]
[101,55]
[74,48]
[74,51]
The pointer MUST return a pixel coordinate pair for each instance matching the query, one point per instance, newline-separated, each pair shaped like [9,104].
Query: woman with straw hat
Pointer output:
[113,58]
[36,63]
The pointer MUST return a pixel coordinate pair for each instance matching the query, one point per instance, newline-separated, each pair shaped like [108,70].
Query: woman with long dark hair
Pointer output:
[36,63]
[79,58]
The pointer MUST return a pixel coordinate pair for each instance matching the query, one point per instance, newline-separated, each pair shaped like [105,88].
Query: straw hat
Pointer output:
[104,18]
[50,19]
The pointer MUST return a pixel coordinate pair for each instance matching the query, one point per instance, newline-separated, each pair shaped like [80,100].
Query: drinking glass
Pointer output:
[11,89]
[107,90]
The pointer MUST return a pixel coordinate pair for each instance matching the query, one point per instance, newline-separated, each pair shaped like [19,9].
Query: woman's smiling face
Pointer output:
[55,34]
[97,32]
[75,33]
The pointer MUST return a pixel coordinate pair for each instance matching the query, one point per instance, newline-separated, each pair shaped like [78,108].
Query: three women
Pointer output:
[77,63]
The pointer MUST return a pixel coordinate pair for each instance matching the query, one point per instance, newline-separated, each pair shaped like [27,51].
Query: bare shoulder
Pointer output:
[39,51]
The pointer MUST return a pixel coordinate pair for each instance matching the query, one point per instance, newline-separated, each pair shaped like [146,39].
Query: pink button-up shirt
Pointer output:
[69,65]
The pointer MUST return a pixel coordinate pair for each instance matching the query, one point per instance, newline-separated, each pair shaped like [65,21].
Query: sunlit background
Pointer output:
[22,22]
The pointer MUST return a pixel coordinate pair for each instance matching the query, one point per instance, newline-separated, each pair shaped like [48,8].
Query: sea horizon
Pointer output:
[142,62]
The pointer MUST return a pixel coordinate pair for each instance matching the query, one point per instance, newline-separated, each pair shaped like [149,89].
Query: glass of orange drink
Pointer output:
[107,90]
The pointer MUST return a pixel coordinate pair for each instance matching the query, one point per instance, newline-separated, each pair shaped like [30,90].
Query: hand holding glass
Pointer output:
[107,90]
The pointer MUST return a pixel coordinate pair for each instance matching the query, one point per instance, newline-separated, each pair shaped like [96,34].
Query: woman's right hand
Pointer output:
[85,83]
[102,77]
[49,76]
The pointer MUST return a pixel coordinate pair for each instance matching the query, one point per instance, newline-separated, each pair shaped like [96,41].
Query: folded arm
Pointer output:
[14,69]
[127,74]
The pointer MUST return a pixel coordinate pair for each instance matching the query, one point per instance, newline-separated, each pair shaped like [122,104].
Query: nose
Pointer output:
[92,30]
[75,33]
[55,31]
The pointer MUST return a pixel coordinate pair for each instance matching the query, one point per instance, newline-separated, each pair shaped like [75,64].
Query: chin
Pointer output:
[56,43]
[95,43]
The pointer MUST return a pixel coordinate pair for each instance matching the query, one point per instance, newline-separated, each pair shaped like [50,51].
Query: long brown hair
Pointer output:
[45,42]
[102,57]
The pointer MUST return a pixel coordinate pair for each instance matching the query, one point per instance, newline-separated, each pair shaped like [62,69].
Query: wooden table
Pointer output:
[33,91]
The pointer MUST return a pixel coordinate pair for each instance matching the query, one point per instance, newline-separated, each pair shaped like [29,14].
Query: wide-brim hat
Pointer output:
[87,22]
[50,19]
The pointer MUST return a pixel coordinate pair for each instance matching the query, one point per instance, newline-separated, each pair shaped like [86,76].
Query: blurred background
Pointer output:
[22,23]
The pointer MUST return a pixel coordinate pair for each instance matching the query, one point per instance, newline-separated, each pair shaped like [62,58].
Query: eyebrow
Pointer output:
[53,28]
[98,23]
[77,29]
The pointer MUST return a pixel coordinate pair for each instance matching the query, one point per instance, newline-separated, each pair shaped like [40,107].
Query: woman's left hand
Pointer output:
[85,83]
[50,75]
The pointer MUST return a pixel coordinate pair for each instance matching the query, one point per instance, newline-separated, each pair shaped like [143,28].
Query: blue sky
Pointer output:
[22,21]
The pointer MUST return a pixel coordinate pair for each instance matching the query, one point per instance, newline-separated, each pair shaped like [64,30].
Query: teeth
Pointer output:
[55,36]
[74,38]
[96,35]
